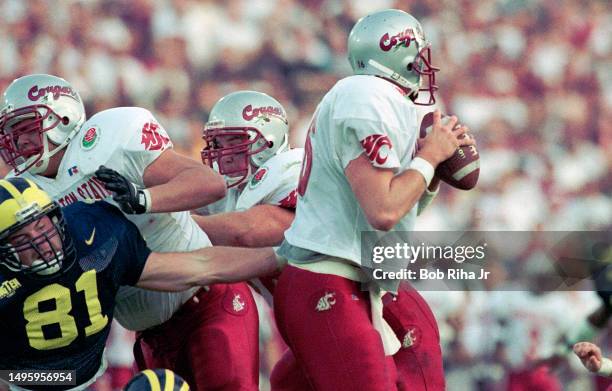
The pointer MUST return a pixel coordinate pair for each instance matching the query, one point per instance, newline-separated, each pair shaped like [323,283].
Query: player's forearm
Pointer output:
[405,190]
[191,189]
[232,264]
[409,188]
[260,226]
[180,271]
[428,195]
[222,229]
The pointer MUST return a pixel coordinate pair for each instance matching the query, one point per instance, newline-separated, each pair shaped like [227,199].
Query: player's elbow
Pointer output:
[383,220]
[248,235]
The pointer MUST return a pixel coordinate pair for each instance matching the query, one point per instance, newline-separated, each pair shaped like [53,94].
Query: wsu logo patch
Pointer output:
[91,138]
[326,300]
[235,303]
[373,147]
[412,338]
[152,138]
[258,177]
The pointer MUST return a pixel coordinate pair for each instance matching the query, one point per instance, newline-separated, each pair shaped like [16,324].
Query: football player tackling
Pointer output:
[60,270]
[46,138]
[361,172]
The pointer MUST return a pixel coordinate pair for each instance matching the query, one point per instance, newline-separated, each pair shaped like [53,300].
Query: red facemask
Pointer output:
[232,158]
[422,65]
[12,127]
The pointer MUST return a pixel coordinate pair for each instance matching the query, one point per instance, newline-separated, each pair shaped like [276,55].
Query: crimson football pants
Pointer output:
[538,379]
[419,360]
[211,341]
[325,320]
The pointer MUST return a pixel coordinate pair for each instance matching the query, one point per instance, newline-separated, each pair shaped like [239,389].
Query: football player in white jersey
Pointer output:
[361,172]
[247,141]
[259,207]
[46,138]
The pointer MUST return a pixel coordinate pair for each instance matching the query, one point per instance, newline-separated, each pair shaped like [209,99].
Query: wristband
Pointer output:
[606,367]
[424,168]
[144,198]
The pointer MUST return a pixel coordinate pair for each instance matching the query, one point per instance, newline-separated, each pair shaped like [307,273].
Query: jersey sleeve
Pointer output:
[274,184]
[146,142]
[132,251]
[135,255]
[285,197]
[366,123]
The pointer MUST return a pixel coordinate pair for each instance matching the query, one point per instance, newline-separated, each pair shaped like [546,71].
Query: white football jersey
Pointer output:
[360,114]
[126,139]
[274,183]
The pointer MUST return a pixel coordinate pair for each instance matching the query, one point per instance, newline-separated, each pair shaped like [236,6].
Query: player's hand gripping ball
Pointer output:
[460,170]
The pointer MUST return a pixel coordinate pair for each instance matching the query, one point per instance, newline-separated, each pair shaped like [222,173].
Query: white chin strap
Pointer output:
[43,163]
[391,74]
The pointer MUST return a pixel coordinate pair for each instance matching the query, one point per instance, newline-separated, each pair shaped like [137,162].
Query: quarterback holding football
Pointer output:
[361,172]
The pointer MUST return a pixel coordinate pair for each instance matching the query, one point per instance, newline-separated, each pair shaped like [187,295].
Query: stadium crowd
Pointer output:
[531,78]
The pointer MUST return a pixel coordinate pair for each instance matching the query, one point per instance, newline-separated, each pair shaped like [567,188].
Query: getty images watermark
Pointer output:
[489,260]
[428,255]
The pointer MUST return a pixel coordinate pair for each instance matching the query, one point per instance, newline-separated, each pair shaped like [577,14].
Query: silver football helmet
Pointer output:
[43,109]
[391,44]
[244,130]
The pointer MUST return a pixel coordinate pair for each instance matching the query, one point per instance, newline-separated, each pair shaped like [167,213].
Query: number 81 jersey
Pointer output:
[63,321]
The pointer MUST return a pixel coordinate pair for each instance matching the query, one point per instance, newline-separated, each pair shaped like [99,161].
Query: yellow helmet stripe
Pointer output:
[184,387]
[16,194]
[153,380]
[169,386]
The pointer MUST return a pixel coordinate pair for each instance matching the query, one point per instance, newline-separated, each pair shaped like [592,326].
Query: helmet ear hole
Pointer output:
[270,144]
[65,120]
[409,67]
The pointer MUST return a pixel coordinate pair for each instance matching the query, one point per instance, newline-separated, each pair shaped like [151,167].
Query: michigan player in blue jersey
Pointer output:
[61,268]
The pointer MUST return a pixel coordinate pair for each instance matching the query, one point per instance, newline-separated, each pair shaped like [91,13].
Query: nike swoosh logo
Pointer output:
[89,241]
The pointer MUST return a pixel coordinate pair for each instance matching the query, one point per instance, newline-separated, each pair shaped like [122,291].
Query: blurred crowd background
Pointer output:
[530,77]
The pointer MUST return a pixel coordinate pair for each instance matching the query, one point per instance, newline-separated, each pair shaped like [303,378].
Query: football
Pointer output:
[460,170]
